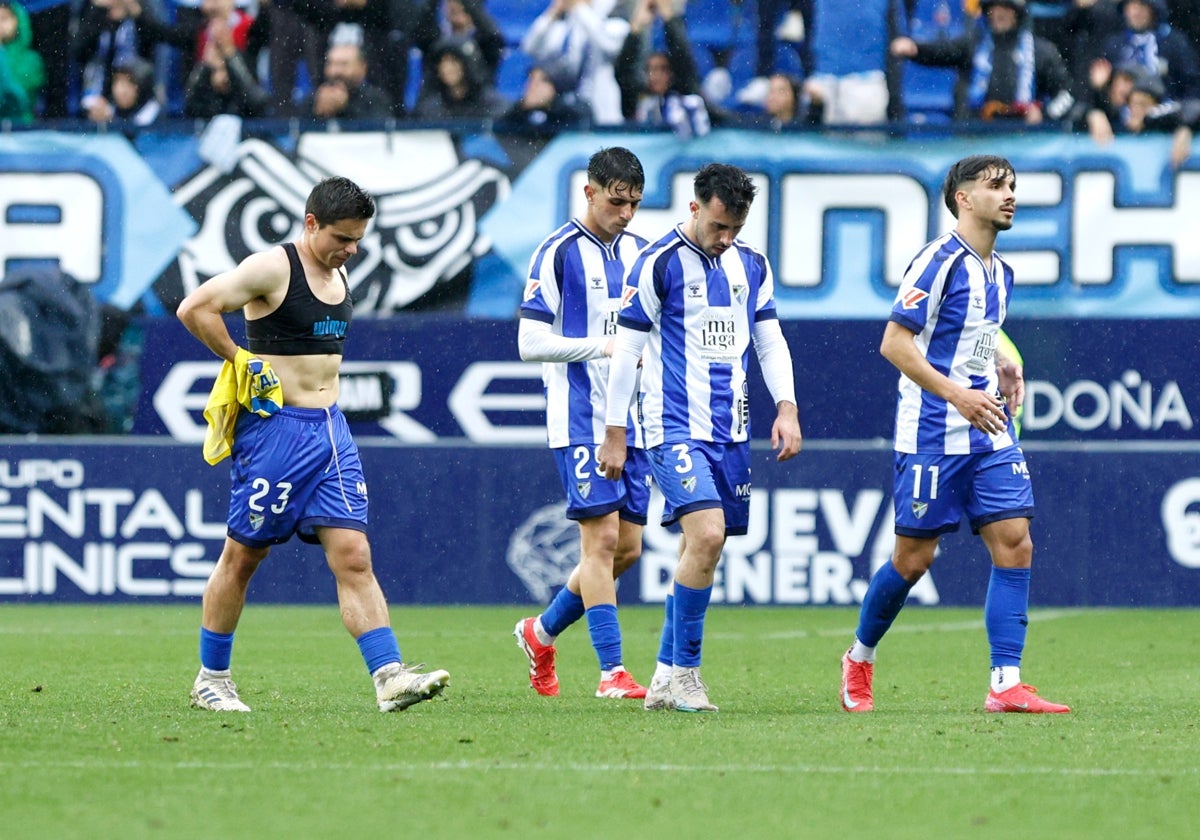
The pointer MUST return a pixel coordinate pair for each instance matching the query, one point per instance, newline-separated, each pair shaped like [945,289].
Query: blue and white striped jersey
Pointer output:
[575,284]
[955,303]
[700,314]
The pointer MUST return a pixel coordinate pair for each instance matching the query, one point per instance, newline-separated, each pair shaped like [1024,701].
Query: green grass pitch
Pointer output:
[97,740]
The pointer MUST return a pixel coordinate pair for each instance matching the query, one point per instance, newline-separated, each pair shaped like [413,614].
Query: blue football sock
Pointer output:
[216,649]
[1005,614]
[606,635]
[690,607]
[564,610]
[884,599]
[379,647]
[666,643]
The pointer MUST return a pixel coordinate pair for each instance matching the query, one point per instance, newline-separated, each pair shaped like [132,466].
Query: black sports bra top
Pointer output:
[302,325]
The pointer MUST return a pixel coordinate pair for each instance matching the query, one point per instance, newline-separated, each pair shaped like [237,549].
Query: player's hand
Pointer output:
[982,410]
[785,432]
[610,457]
[262,381]
[1012,382]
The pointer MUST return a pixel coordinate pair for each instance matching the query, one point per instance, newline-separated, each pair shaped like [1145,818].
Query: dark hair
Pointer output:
[336,198]
[728,183]
[969,169]
[616,165]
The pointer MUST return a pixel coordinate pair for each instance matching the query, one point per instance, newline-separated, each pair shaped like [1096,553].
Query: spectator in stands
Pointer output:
[293,43]
[1148,41]
[579,40]
[1133,101]
[133,101]
[22,72]
[1004,70]
[660,89]
[50,22]
[542,111]
[1086,26]
[461,87]
[786,107]
[184,27]
[379,27]
[222,83]
[345,92]
[779,21]
[465,21]
[110,32]
[855,80]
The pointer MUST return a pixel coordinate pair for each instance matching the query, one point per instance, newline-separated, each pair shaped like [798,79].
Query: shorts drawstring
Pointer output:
[333,461]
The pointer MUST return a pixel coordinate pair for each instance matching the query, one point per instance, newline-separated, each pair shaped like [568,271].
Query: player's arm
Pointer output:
[1012,381]
[982,410]
[775,360]
[622,379]
[202,311]
[537,342]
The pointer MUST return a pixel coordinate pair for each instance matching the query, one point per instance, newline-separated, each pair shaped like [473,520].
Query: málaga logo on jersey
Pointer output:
[912,298]
[420,247]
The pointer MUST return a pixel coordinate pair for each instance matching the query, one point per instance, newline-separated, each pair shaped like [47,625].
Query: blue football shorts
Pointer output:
[590,494]
[697,475]
[292,473]
[931,492]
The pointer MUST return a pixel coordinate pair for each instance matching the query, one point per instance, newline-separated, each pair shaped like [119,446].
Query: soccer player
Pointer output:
[956,450]
[296,471]
[694,300]
[568,320]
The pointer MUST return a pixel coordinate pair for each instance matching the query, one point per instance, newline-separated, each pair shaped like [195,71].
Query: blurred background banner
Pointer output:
[125,520]
[92,205]
[445,378]
[1101,232]
[466,506]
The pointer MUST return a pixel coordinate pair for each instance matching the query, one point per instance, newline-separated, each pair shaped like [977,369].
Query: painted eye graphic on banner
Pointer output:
[419,249]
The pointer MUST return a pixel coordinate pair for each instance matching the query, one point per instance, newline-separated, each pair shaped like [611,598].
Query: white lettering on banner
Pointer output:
[1100,225]
[806,199]
[180,399]
[101,540]
[470,401]
[799,568]
[109,568]
[1085,405]
[1181,520]
[75,237]
[33,471]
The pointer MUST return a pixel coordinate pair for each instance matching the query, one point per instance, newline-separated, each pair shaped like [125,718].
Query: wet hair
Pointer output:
[728,183]
[969,169]
[616,165]
[335,199]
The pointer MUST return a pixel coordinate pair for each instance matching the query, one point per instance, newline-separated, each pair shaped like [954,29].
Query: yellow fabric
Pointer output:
[234,390]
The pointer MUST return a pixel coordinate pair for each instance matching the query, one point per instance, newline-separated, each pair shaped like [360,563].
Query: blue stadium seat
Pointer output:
[514,16]
[510,77]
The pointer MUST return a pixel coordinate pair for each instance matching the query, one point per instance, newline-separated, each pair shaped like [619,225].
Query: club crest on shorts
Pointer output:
[919,509]
[689,484]
[256,521]
[584,489]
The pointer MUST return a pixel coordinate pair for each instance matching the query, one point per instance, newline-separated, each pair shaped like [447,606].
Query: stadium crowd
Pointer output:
[1107,67]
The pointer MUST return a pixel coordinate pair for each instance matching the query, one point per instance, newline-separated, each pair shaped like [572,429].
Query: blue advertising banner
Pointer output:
[420,380]
[1100,231]
[126,520]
